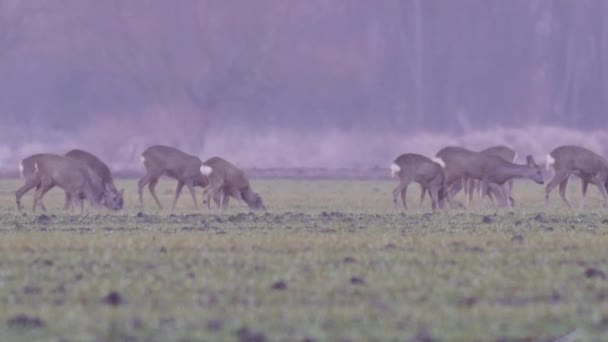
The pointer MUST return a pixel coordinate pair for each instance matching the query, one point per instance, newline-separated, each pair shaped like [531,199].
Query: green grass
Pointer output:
[352,268]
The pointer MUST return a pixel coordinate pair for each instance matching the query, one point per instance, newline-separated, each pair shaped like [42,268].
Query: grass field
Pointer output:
[329,261]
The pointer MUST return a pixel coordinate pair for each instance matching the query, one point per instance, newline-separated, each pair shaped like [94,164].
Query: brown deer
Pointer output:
[101,176]
[492,171]
[411,167]
[467,183]
[505,153]
[162,160]
[227,180]
[581,162]
[70,175]
[98,172]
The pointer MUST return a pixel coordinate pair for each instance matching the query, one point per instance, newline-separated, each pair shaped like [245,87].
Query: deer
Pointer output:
[27,167]
[470,184]
[491,170]
[162,160]
[411,167]
[101,176]
[505,153]
[575,160]
[70,175]
[227,180]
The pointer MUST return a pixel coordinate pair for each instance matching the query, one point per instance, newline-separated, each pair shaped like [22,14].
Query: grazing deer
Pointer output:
[411,167]
[101,176]
[469,184]
[581,162]
[505,153]
[227,180]
[162,160]
[70,175]
[492,171]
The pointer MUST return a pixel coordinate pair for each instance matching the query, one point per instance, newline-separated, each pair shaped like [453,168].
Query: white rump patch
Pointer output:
[36,168]
[21,168]
[438,161]
[394,169]
[206,170]
[142,158]
[550,161]
[514,157]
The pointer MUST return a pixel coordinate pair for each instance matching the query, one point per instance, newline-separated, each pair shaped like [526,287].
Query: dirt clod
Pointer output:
[246,335]
[595,273]
[517,238]
[467,302]
[113,298]
[279,285]
[487,219]
[357,281]
[42,219]
[25,321]
[350,260]
[540,218]
[215,325]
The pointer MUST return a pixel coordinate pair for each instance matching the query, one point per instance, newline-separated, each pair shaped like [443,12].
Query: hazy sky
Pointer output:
[300,82]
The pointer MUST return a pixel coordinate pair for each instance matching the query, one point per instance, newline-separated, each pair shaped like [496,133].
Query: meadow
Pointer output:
[328,261]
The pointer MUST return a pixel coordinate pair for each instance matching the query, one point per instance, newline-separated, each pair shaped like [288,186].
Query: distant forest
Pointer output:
[167,71]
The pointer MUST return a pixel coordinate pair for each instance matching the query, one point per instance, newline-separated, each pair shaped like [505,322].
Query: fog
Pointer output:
[300,83]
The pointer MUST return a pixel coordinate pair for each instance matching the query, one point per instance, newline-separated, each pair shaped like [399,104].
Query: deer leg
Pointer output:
[397,192]
[563,185]
[221,199]
[210,191]
[484,187]
[584,185]
[178,191]
[40,192]
[30,183]
[152,188]
[81,200]
[422,194]
[434,194]
[68,201]
[40,203]
[509,185]
[191,189]
[454,188]
[558,178]
[474,189]
[602,188]
[404,195]
[140,188]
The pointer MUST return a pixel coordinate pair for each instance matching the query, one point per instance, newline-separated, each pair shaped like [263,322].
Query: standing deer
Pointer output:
[505,153]
[492,171]
[162,160]
[467,183]
[101,176]
[581,162]
[227,180]
[411,167]
[70,175]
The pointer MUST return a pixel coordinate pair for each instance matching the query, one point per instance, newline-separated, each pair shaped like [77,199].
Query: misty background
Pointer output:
[300,83]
